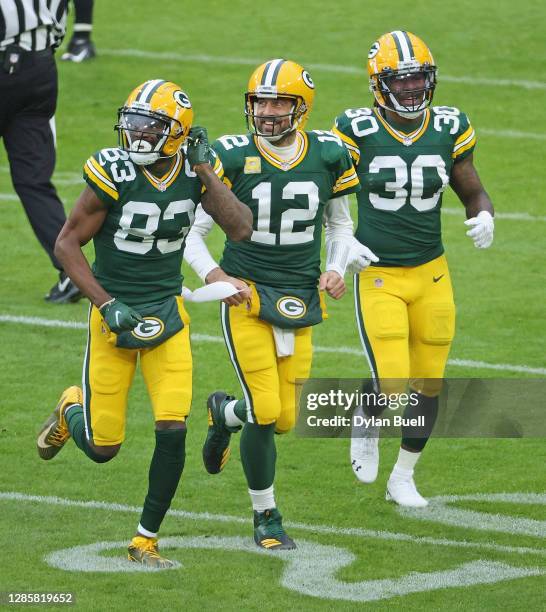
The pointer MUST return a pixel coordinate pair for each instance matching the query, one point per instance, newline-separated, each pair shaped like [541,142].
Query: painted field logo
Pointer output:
[291,307]
[150,328]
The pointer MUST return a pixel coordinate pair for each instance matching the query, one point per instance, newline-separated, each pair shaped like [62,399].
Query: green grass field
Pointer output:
[352,543]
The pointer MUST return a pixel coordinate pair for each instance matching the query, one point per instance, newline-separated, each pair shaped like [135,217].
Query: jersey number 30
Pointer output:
[414,175]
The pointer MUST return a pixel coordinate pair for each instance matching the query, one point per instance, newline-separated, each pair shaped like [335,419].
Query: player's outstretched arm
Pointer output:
[479,209]
[218,201]
[83,223]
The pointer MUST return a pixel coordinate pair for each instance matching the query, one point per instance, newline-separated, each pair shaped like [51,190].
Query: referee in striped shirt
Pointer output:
[30,31]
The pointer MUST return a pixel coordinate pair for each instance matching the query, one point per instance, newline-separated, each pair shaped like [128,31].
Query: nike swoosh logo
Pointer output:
[118,312]
[42,437]
[63,284]
[435,279]
[76,57]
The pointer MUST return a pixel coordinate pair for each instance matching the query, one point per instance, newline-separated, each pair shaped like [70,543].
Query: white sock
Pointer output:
[263,500]
[232,420]
[70,408]
[144,532]
[406,462]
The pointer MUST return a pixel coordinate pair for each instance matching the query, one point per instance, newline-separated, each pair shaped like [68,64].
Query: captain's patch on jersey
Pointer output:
[253,165]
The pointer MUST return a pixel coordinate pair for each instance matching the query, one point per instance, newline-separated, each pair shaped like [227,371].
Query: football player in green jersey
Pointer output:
[138,206]
[406,154]
[291,180]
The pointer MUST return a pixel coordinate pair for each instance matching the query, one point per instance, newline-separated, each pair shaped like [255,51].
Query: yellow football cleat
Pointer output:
[146,551]
[54,432]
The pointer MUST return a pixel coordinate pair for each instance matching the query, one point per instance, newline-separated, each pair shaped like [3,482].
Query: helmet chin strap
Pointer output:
[402,112]
[409,115]
[276,137]
[143,159]
[141,153]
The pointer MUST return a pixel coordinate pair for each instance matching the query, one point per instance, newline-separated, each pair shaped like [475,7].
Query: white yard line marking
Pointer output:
[511,216]
[336,68]
[440,510]
[225,518]
[511,134]
[463,363]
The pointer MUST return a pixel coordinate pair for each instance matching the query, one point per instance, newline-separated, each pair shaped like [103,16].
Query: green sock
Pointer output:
[240,410]
[76,426]
[258,455]
[165,471]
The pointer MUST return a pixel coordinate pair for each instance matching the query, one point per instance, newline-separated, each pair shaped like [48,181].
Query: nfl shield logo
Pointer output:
[378,282]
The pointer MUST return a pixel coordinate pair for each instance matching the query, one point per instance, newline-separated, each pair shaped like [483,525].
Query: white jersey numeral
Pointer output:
[402,175]
[228,142]
[287,235]
[141,240]
[446,115]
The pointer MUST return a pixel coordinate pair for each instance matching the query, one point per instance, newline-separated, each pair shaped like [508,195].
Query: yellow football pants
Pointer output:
[406,320]
[268,381]
[108,373]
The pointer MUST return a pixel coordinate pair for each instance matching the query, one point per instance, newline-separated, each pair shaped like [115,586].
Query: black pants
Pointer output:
[28,100]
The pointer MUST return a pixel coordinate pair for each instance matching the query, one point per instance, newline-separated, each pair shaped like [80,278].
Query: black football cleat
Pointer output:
[64,291]
[79,50]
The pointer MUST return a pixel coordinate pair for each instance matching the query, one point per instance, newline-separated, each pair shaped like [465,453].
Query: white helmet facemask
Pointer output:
[419,98]
[144,136]
[275,119]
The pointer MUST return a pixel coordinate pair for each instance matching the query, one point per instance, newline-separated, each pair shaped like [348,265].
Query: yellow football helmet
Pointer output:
[154,122]
[279,78]
[394,57]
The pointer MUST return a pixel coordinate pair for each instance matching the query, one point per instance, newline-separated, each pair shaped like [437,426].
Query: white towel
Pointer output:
[285,340]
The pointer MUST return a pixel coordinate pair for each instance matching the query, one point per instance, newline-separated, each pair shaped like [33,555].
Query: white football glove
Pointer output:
[482,227]
[360,257]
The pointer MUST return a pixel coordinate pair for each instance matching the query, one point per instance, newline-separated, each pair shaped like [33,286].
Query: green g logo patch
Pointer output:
[150,328]
[291,307]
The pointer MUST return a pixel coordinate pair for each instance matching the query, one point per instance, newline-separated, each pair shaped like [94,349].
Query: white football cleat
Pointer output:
[401,489]
[365,451]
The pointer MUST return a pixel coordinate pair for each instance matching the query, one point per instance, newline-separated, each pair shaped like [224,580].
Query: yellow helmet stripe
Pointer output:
[146,93]
[271,72]
[403,45]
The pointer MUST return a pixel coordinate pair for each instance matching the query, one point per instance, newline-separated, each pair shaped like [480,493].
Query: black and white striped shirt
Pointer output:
[33,25]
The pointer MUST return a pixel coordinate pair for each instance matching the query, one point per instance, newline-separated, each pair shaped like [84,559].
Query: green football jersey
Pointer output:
[139,248]
[403,177]
[287,202]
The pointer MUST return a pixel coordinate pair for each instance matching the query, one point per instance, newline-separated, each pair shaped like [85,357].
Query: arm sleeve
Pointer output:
[346,178]
[196,253]
[465,139]
[342,128]
[339,234]
[97,177]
